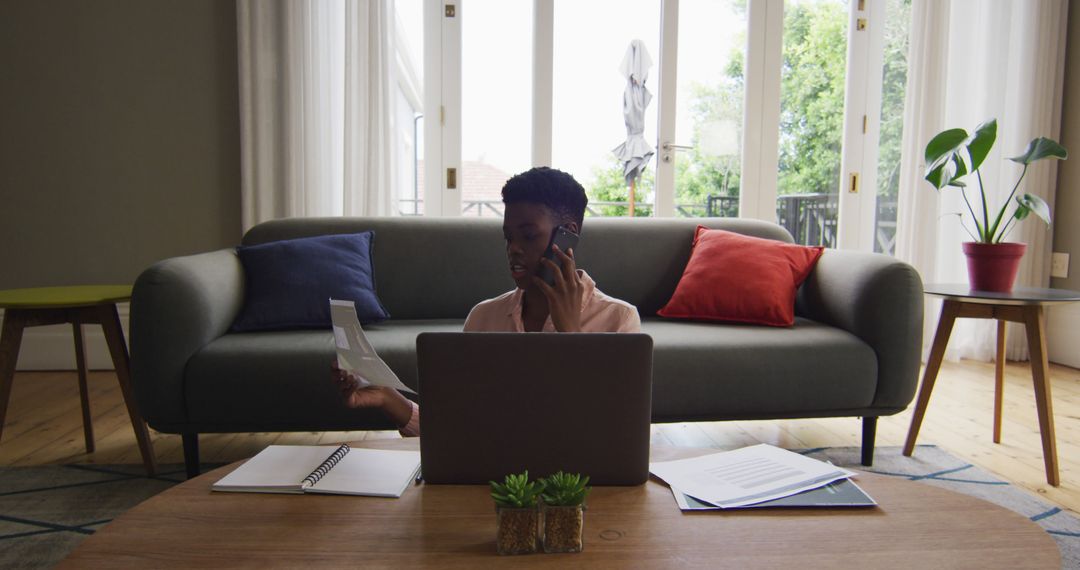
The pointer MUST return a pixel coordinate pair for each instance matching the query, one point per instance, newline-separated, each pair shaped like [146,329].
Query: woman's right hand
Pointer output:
[357,393]
[354,392]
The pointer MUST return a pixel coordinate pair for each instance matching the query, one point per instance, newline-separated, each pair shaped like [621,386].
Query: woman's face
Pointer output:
[527,229]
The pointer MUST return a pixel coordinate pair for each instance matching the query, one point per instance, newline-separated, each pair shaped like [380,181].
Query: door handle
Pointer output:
[670,146]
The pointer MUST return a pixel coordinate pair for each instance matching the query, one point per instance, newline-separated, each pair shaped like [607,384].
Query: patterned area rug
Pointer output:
[46,511]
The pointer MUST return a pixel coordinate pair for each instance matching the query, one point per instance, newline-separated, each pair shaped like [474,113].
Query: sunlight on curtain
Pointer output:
[972,61]
[316,108]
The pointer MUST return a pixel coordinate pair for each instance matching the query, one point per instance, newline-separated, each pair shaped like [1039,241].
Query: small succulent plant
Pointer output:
[565,489]
[516,491]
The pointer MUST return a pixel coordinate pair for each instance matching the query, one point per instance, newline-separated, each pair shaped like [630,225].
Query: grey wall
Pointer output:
[119,136]
[1067,202]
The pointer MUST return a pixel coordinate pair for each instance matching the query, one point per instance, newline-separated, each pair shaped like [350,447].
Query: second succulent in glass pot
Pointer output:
[564,511]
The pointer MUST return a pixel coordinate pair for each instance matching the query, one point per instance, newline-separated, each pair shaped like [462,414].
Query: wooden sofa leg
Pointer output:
[191,454]
[869,432]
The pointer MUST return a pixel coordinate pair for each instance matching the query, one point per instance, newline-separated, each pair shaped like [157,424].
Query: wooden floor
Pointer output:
[44,426]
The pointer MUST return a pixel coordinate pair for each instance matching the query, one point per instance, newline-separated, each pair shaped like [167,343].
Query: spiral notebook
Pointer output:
[338,470]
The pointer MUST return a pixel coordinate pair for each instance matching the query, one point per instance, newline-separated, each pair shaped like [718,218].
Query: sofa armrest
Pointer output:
[178,306]
[879,300]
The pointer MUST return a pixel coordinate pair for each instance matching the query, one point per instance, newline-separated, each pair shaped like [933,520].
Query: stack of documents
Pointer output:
[753,475]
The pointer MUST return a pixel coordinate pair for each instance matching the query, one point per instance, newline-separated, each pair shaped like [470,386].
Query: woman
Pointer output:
[536,202]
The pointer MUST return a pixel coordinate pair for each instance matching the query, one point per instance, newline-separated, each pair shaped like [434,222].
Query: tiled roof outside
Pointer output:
[478,180]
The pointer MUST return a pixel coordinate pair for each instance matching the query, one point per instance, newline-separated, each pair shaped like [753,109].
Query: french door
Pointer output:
[741,123]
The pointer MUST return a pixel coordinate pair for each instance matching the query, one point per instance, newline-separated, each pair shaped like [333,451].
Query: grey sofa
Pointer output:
[853,351]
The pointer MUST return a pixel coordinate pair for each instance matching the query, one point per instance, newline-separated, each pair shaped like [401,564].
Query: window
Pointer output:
[409,106]
[766,110]
[587,106]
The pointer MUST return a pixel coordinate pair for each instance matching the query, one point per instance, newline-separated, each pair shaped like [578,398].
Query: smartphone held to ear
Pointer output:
[566,240]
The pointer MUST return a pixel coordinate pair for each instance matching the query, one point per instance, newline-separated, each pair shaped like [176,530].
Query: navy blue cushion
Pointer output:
[290,282]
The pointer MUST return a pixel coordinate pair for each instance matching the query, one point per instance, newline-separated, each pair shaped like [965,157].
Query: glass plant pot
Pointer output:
[562,528]
[518,530]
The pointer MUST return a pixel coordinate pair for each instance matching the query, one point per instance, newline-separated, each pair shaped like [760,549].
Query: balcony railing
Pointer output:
[722,206]
[810,218]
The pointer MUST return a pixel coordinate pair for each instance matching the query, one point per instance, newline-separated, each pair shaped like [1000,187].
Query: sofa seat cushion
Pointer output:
[712,371]
[242,381]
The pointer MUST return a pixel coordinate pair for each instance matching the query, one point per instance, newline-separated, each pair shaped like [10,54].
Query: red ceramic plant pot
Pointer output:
[993,266]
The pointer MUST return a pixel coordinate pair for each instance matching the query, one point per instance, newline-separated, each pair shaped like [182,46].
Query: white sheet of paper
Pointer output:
[355,353]
[746,476]
[341,340]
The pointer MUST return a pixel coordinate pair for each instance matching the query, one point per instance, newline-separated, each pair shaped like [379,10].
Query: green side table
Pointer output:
[78,305]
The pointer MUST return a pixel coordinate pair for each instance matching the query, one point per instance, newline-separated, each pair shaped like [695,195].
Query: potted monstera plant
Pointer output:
[951,157]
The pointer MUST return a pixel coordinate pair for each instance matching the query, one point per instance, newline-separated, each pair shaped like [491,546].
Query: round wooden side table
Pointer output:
[78,305]
[1023,305]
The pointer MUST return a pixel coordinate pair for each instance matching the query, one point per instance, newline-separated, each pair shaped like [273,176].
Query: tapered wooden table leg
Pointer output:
[999,379]
[84,393]
[114,336]
[949,311]
[10,339]
[1035,323]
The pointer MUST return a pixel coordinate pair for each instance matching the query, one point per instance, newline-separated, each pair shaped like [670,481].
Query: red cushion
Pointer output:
[743,279]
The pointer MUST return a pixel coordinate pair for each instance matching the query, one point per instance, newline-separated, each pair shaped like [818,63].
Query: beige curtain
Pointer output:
[970,61]
[369,138]
[316,105]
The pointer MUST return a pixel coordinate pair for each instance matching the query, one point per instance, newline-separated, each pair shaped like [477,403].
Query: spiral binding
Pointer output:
[325,466]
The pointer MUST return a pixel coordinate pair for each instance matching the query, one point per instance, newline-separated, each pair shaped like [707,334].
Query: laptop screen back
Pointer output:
[499,403]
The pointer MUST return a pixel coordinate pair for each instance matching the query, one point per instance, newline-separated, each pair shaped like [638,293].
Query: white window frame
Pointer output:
[862,126]
[442,106]
[543,81]
[666,151]
[761,110]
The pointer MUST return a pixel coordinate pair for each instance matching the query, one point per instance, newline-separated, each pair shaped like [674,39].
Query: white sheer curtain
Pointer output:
[972,60]
[316,80]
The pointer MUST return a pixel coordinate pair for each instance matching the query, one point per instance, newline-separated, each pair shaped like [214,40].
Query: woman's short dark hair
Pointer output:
[549,187]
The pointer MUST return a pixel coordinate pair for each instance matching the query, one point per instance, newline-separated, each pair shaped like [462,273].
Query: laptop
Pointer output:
[500,403]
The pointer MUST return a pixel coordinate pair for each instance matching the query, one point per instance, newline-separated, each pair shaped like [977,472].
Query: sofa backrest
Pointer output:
[434,268]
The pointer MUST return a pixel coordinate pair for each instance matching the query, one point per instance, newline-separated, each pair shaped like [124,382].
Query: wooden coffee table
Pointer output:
[916,526]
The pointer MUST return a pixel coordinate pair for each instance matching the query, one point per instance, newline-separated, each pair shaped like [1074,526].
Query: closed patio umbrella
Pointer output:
[635,153]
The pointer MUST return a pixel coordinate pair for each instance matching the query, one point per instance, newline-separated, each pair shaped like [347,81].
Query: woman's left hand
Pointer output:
[564,299]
